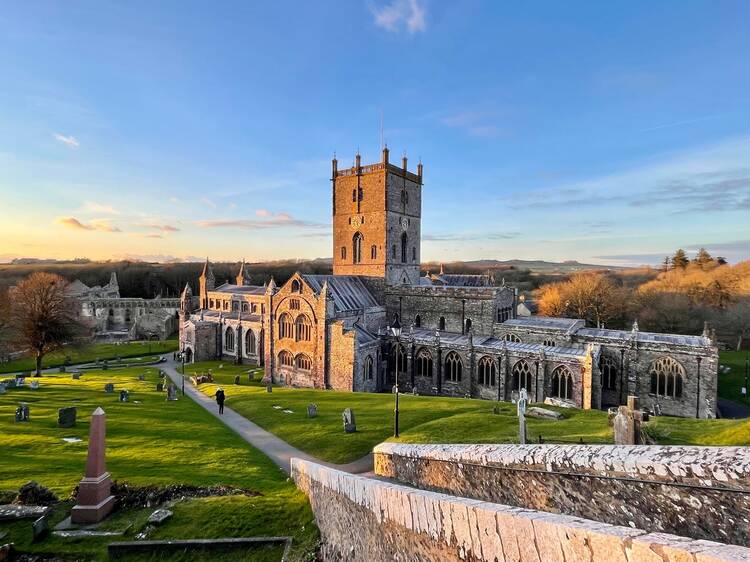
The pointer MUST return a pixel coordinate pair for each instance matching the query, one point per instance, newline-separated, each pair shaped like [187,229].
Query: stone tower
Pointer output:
[377,212]
[206,282]
[186,303]
[243,276]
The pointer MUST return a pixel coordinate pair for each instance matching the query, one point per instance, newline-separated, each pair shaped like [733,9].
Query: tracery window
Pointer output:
[244,307]
[608,370]
[296,286]
[302,328]
[303,362]
[285,326]
[666,377]
[424,363]
[229,339]
[548,343]
[286,359]
[487,371]
[294,304]
[562,383]
[398,356]
[453,367]
[404,244]
[521,375]
[250,343]
[369,369]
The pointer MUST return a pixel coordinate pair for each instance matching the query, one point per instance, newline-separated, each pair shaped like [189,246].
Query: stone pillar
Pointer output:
[95,501]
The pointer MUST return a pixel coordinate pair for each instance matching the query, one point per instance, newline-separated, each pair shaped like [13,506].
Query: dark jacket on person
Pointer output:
[220,396]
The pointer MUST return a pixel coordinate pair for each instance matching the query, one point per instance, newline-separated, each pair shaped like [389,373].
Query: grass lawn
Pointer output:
[730,385]
[427,419]
[92,353]
[149,441]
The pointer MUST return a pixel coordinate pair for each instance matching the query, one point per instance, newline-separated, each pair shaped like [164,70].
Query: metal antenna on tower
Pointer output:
[382,139]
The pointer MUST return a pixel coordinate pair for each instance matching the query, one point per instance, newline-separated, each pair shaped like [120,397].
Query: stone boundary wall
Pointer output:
[370,520]
[698,492]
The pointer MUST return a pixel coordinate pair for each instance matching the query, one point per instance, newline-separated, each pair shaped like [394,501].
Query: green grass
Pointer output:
[149,441]
[91,353]
[730,385]
[429,419]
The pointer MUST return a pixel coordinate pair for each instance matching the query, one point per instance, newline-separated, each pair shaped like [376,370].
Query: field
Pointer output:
[730,385]
[91,353]
[428,419]
[149,441]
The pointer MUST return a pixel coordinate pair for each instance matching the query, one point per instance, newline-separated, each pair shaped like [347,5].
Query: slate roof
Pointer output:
[240,289]
[348,291]
[228,314]
[364,336]
[545,323]
[645,337]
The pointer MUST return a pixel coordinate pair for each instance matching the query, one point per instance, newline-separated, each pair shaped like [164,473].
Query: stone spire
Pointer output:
[206,282]
[113,281]
[94,500]
[441,269]
[243,277]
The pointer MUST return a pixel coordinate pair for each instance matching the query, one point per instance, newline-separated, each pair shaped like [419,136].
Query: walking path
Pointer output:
[279,451]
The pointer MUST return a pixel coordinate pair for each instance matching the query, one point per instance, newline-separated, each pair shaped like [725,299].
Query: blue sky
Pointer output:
[607,132]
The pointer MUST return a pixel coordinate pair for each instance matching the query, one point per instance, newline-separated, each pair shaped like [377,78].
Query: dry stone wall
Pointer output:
[700,492]
[366,519]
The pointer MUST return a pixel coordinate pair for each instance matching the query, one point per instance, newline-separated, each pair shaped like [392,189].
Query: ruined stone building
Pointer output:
[116,318]
[460,333]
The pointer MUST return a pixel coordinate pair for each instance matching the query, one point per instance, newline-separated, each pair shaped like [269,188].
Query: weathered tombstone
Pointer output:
[627,423]
[312,410]
[20,382]
[141,377]
[34,385]
[269,388]
[350,425]
[521,407]
[250,376]
[40,528]
[61,369]
[124,396]
[159,387]
[76,376]
[237,379]
[22,413]
[414,391]
[109,388]
[66,417]
[94,500]
[2,388]
[105,365]
[171,392]
[159,516]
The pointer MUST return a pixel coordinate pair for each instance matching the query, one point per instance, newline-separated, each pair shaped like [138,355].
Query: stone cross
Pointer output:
[523,399]
[95,501]
[627,423]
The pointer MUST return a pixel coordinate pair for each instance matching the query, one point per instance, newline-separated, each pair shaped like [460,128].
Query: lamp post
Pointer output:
[747,372]
[396,331]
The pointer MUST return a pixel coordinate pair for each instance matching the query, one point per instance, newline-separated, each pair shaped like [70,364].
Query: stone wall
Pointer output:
[370,520]
[700,492]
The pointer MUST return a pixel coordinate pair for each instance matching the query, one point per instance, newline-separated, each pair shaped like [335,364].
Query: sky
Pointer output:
[603,132]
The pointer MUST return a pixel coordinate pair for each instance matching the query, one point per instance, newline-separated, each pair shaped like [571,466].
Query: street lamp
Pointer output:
[747,373]
[396,331]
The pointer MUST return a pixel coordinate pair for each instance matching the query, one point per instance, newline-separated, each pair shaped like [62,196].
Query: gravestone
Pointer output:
[34,385]
[159,516]
[66,417]
[269,388]
[40,528]
[94,500]
[171,392]
[109,388]
[2,388]
[20,382]
[124,396]
[627,423]
[76,376]
[350,425]
[312,410]
[61,369]
[237,379]
[159,387]
[22,413]
[250,376]
[141,377]
[105,365]
[521,407]
[414,391]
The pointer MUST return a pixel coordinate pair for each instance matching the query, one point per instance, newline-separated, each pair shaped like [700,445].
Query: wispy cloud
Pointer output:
[462,237]
[401,14]
[262,213]
[278,220]
[161,227]
[207,201]
[97,224]
[93,207]
[70,141]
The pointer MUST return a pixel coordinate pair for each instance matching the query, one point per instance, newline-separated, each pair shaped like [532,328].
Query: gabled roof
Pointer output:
[546,323]
[77,287]
[240,289]
[347,291]
[645,337]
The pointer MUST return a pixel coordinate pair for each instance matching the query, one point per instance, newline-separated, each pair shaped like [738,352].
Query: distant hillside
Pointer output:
[538,265]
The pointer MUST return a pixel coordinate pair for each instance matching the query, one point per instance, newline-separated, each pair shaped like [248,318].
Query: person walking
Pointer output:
[220,397]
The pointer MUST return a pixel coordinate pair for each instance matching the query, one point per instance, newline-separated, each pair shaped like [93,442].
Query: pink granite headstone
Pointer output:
[95,501]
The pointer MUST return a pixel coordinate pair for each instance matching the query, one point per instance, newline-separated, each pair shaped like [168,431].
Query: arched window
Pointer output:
[398,357]
[404,197]
[369,369]
[512,338]
[303,362]
[357,248]
[467,325]
[229,339]
[296,286]
[486,368]
[562,383]
[417,321]
[354,195]
[343,252]
[286,359]
[250,343]
[302,328]
[413,253]
[285,326]
[453,367]
[666,377]
[373,252]
[424,363]
[404,244]
[521,376]
[393,252]
[245,307]
[608,370]
[548,343]
[441,323]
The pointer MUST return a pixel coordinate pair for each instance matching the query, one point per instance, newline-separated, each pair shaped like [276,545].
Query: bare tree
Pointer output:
[43,315]
[735,320]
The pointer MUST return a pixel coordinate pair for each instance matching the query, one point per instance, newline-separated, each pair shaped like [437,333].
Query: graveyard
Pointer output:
[150,442]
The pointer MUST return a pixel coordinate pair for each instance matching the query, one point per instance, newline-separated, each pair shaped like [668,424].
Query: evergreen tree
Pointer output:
[703,258]
[680,259]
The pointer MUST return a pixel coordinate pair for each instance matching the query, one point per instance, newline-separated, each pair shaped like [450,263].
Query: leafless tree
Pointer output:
[43,316]
[735,320]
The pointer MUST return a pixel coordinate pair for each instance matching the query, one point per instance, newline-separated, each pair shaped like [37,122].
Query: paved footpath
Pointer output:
[279,451]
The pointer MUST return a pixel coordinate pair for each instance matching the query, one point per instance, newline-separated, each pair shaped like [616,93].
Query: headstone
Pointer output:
[66,417]
[20,382]
[312,410]
[159,516]
[171,392]
[109,388]
[350,425]
[124,396]
[61,369]
[237,379]
[414,391]
[543,413]
[250,376]
[2,388]
[627,423]
[141,377]
[34,385]
[159,387]
[94,501]
[76,376]
[269,388]
[105,365]
[22,413]
[40,528]
[521,407]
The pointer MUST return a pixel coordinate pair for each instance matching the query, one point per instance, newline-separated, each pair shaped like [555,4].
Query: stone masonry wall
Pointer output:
[700,492]
[369,520]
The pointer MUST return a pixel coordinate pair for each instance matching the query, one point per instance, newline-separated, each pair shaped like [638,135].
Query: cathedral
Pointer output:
[377,322]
